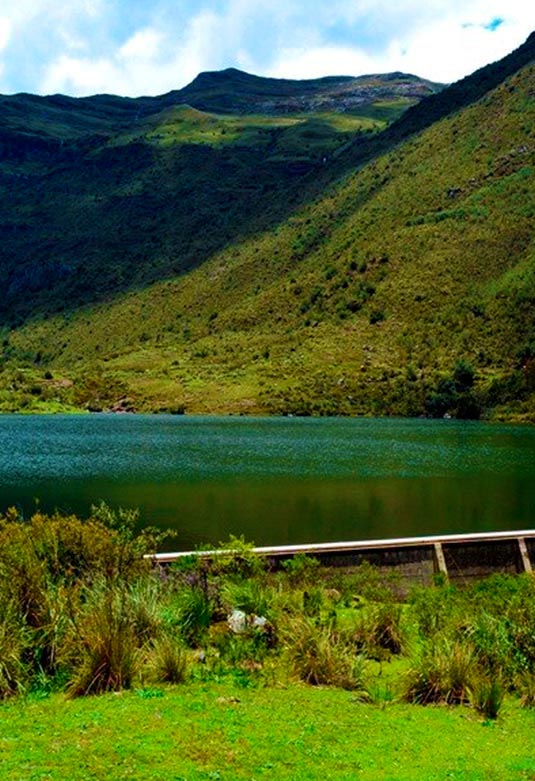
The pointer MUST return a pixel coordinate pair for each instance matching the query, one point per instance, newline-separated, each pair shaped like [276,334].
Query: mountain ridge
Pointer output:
[227,91]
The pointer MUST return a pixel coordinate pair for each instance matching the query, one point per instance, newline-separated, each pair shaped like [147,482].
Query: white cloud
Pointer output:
[132,48]
[5,31]
[143,45]
[24,12]
[81,76]
[322,61]
[148,63]
[446,48]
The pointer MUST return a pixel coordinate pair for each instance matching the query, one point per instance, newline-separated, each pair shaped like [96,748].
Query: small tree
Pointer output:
[463,376]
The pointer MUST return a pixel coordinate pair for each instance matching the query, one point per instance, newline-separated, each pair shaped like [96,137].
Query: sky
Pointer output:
[148,47]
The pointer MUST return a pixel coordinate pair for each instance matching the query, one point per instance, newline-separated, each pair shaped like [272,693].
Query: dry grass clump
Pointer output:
[320,656]
[445,671]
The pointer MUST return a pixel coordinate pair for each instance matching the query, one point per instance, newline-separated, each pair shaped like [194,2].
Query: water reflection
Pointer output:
[275,480]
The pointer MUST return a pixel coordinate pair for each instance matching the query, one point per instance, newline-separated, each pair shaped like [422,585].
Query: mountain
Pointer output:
[232,91]
[302,258]
[102,194]
[32,123]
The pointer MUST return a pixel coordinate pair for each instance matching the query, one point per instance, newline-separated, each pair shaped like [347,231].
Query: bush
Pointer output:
[318,656]
[445,671]
[366,582]
[246,650]
[237,557]
[145,606]
[525,685]
[434,609]
[301,568]
[493,643]
[247,595]
[487,696]
[376,316]
[380,630]
[454,395]
[195,611]
[13,643]
[102,654]
[463,376]
[52,569]
[168,661]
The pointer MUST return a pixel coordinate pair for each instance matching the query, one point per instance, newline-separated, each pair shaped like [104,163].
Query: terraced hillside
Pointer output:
[303,264]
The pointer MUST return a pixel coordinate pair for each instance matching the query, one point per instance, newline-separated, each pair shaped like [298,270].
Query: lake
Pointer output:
[274,480]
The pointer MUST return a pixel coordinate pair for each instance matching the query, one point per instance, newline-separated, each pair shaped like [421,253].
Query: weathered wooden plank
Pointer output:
[524,555]
[440,560]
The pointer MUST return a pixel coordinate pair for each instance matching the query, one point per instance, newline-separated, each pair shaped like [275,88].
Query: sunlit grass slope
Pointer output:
[369,299]
[261,278]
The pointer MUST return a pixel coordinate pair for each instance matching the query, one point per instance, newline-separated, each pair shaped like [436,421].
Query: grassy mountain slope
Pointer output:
[405,287]
[104,194]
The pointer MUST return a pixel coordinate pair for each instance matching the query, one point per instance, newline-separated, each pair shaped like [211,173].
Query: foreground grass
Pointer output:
[229,670]
[222,731]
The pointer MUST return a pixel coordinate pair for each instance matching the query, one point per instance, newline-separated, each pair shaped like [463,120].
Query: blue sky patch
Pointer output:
[494,24]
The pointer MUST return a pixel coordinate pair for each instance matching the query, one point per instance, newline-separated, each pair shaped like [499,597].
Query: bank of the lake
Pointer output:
[236,671]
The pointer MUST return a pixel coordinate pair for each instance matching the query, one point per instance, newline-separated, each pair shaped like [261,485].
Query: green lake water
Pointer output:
[275,480]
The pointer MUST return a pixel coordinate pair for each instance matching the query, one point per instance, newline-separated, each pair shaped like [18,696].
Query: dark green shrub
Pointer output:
[247,595]
[14,642]
[525,685]
[301,568]
[313,601]
[195,610]
[442,400]
[434,609]
[318,656]
[145,606]
[463,376]
[379,630]
[247,650]
[367,582]
[51,570]
[376,316]
[492,640]
[237,558]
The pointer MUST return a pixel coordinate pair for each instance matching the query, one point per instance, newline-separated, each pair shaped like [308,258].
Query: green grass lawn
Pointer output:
[224,731]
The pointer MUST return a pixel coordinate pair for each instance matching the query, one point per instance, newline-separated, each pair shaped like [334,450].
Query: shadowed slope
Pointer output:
[103,194]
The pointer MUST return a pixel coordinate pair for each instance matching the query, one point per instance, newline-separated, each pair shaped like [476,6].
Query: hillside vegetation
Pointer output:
[288,263]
